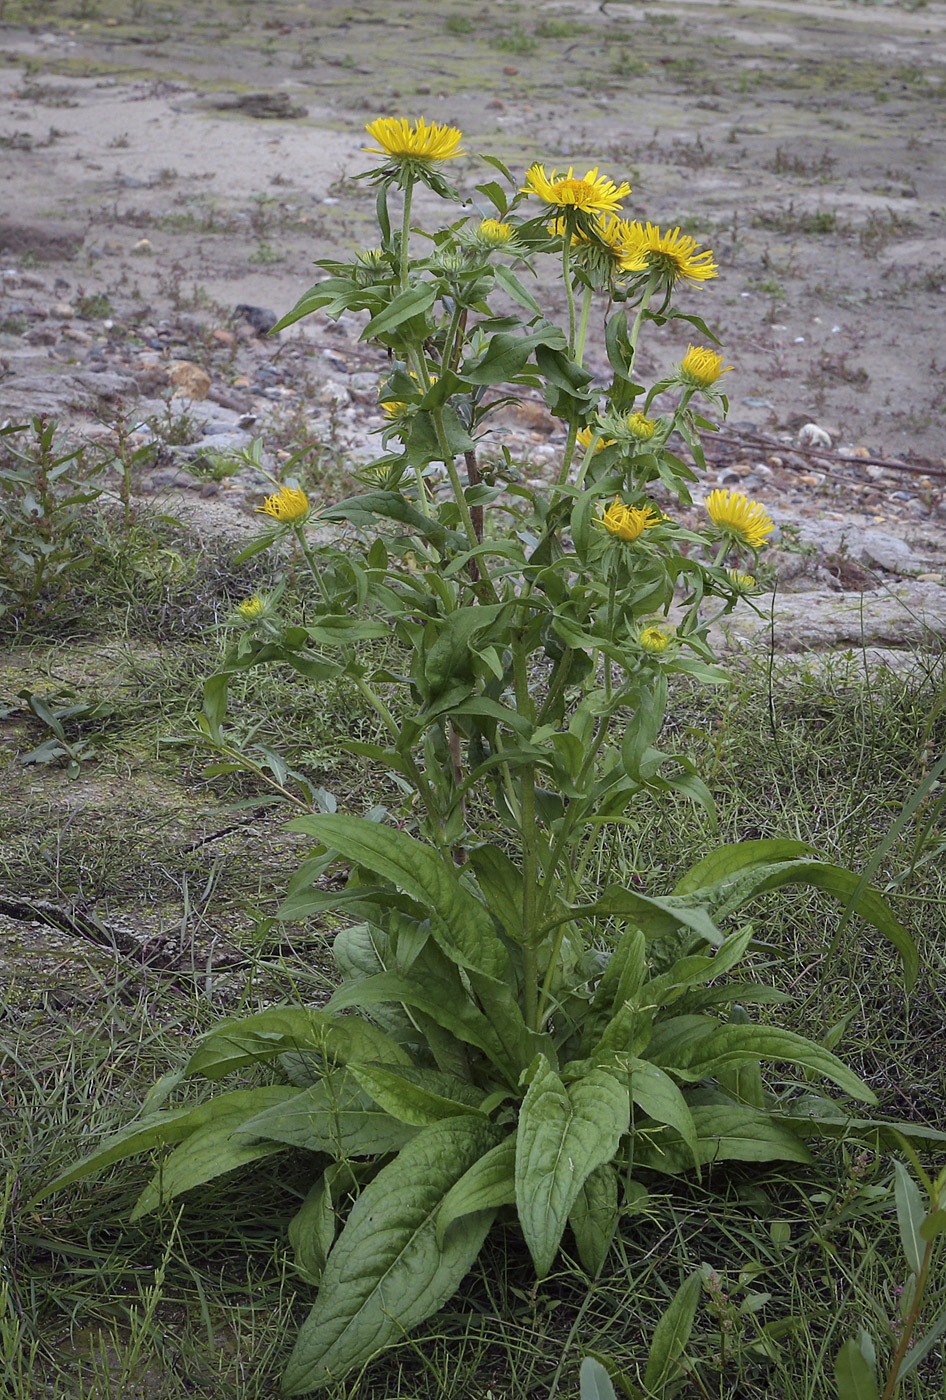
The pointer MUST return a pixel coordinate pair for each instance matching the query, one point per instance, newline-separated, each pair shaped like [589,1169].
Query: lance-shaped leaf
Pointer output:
[489,1184]
[856,1377]
[459,922]
[445,1002]
[594,1218]
[655,1092]
[165,1127]
[731,1045]
[312,1228]
[672,1334]
[911,1213]
[564,1134]
[334,1116]
[386,1272]
[209,1152]
[416,1095]
[283,1028]
[725,1132]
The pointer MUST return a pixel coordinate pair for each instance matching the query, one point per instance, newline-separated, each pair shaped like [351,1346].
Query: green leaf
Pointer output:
[911,1214]
[564,1134]
[924,1346]
[725,1133]
[386,1272]
[500,883]
[159,1129]
[508,280]
[416,1095]
[407,304]
[210,1151]
[445,1002]
[729,1045]
[506,354]
[933,1226]
[734,859]
[459,922]
[335,1116]
[594,1218]
[282,1028]
[855,1377]
[312,1229]
[655,1092]
[489,1184]
[672,1333]
[314,299]
[595,1381]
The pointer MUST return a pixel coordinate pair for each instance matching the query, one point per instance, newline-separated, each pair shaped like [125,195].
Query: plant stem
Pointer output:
[639,318]
[567,278]
[583,326]
[299,532]
[406,231]
[909,1323]
[529,834]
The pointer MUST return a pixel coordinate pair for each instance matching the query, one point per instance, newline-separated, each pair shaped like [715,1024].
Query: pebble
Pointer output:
[811,435]
[190,381]
[63,310]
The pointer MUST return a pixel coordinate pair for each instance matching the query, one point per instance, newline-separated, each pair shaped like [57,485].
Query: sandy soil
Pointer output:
[804,142]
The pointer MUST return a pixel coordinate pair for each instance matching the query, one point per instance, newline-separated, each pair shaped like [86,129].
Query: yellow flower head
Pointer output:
[700,368]
[640,427]
[743,583]
[594,194]
[419,141]
[653,639]
[251,608]
[628,522]
[673,256]
[734,514]
[394,407]
[494,234]
[288,505]
[584,437]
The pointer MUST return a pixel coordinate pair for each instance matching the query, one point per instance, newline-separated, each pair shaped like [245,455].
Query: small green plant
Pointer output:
[50,712]
[44,490]
[922,1226]
[458,24]
[513,1032]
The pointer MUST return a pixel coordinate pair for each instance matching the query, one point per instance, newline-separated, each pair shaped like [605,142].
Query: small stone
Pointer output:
[31,279]
[80,337]
[813,436]
[510,71]
[63,310]
[143,247]
[190,381]
[259,317]
[497,105]
[929,578]
[223,337]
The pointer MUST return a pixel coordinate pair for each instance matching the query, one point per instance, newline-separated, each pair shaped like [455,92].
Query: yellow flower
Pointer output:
[653,639]
[640,427]
[584,437]
[628,522]
[251,608]
[593,194]
[495,234]
[674,256]
[288,505]
[421,141]
[734,514]
[743,583]
[701,367]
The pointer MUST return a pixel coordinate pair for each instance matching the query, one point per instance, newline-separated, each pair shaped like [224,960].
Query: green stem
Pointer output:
[484,583]
[316,573]
[583,326]
[639,318]
[571,817]
[909,1324]
[419,780]
[567,276]
[530,843]
[406,230]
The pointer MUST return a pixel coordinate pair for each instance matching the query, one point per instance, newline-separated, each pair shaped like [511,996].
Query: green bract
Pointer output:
[507,1036]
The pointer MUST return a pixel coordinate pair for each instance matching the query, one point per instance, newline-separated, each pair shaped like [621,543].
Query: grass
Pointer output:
[204,1300]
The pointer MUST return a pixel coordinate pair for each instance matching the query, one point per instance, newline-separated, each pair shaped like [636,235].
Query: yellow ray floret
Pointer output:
[288,505]
[594,193]
[495,234]
[420,140]
[584,437]
[251,608]
[734,514]
[673,256]
[653,639]
[628,522]
[700,368]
